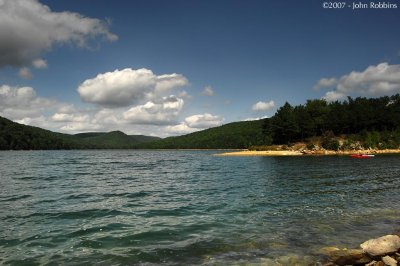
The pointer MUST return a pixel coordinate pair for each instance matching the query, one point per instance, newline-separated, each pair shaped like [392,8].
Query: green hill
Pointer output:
[114,139]
[14,136]
[237,135]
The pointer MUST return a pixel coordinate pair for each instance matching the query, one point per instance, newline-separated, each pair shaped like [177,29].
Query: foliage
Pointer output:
[374,122]
[329,142]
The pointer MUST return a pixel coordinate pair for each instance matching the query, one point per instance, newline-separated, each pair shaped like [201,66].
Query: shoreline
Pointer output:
[306,152]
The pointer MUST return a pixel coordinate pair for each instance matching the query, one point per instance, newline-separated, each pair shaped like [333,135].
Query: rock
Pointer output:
[329,264]
[389,261]
[380,263]
[294,259]
[327,250]
[382,245]
[372,263]
[349,256]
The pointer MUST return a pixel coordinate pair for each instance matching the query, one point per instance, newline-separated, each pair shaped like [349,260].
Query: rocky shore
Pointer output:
[382,251]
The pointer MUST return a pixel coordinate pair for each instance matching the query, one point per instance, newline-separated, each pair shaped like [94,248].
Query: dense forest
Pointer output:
[369,122]
[350,124]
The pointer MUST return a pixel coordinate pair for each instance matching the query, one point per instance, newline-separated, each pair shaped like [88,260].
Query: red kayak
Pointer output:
[362,156]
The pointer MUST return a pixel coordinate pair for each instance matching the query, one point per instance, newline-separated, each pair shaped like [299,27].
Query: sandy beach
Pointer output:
[305,153]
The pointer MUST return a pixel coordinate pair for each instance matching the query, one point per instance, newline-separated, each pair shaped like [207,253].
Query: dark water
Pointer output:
[189,207]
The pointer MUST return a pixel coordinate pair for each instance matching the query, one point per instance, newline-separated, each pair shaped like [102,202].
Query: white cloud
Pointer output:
[25,73]
[20,102]
[208,91]
[263,106]
[195,123]
[203,121]
[168,82]
[80,127]
[382,79]
[163,112]
[63,117]
[180,129]
[184,94]
[128,86]
[28,29]
[325,82]
[39,121]
[39,63]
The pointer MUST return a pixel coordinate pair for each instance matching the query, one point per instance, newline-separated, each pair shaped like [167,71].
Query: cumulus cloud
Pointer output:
[64,117]
[382,79]
[263,106]
[21,102]
[204,121]
[195,123]
[28,29]
[208,91]
[128,86]
[163,112]
[325,82]
[184,94]
[180,129]
[39,63]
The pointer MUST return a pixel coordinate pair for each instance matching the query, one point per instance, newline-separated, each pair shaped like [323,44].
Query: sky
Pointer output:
[165,68]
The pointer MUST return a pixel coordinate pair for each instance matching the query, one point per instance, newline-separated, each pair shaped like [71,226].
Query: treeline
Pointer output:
[236,135]
[14,136]
[373,121]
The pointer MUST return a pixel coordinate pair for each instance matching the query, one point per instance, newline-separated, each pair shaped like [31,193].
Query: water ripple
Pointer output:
[188,207]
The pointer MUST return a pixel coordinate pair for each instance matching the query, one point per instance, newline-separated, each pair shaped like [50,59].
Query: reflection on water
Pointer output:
[189,207]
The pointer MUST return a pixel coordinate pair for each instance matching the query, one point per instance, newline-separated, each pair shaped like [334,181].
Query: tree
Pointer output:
[284,126]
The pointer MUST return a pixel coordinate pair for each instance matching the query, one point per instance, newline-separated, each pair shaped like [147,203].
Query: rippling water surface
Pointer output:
[123,207]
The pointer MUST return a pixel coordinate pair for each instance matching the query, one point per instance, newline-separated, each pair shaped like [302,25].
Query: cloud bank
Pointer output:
[28,29]
[128,86]
[163,112]
[195,123]
[21,102]
[382,79]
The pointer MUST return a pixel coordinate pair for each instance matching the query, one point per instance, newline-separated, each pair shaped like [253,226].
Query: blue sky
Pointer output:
[172,67]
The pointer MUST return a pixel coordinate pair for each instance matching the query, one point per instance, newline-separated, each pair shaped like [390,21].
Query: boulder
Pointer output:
[381,246]
[349,257]
[389,261]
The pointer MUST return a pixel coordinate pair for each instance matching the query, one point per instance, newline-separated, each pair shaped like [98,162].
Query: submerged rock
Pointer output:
[382,245]
[327,250]
[349,257]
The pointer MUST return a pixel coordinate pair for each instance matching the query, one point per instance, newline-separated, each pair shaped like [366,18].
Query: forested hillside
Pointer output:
[374,122]
[237,135]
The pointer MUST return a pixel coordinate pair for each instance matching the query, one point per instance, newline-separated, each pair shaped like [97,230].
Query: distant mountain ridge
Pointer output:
[14,136]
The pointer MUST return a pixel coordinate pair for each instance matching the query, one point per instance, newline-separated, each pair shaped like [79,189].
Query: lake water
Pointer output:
[127,207]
